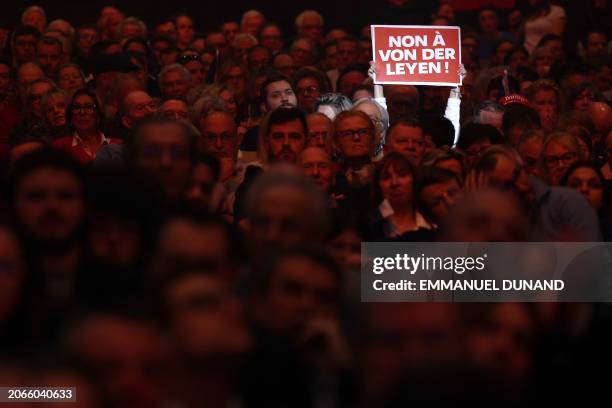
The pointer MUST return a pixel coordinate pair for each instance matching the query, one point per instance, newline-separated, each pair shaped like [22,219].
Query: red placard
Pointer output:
[417,55]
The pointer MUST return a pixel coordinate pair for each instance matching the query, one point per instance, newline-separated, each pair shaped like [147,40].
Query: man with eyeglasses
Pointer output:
[406,137]
[555,213]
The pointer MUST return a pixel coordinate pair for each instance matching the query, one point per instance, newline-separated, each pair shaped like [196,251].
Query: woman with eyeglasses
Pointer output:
[559,152]
[588,179]
[85,119]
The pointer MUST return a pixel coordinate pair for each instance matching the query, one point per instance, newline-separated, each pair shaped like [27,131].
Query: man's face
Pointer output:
[272,38]
[597,45]
[258,58]
[439,198]
[175,84]
[70,79]
[197,71]
[286,141]
[317,164]
[347,53]
[331,56]
[301,52]
[164,153]
[216,41]
[311,28]
[280,93]
[283,218]
[408,141]
[168,28]
[299,291]
[603,78]
[558,158]
[25,48]
[488,21]
[202,187]
[85,39]
[35,96]
[252,24]
[174,108]
[229,30]
[530,152]
[207,320]
[35,19]
[184,27]
[138,105]
[509,174]
[354,138]
[128,358]
[319,132]
[402,101]
[49,56]
[219,135]
[307,92]
[349,82]
[49,204]
[285,65]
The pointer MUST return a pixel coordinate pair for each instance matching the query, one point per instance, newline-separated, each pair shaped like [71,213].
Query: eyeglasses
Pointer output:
[308,90]
[88,108]
[223,137]
[345,134]
[189,58]
[563,159]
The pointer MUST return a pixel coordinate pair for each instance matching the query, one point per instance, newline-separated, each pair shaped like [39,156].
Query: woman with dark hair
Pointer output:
[542,18]
[85,118]
[588,179]
[397,217]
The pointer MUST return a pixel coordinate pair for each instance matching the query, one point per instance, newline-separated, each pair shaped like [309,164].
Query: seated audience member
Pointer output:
[379,116]
[282,135]
[174,80]
[350,77]
[283,210]
[174,107]
[545,97]
[70,78]
[517,120]
[437,191]
[530,149]
[452,160]
[589,181]
[320,131]
[309,84]
[397,216]
[440,130]
[559,152]
[406,138]
[475,138]
[555,212]
[332,104]
[318,165]
[54,105]
[165,148]
[86,120]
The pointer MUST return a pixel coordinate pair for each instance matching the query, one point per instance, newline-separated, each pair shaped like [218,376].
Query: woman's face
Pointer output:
[84,114]
[56,112]
[558,158]
[588,183]
[396,186]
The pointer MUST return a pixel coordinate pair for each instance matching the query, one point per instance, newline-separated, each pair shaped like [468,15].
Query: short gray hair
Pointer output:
[171,68]
[299,20]
[132,20]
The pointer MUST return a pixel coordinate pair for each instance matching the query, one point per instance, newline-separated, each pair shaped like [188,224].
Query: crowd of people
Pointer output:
[183,211]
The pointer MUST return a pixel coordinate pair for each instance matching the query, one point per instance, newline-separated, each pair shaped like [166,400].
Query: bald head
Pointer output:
[601,115]
[136,105]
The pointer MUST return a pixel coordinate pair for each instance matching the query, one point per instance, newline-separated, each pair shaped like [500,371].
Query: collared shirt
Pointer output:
[74,146]
[386,212]
[559,211]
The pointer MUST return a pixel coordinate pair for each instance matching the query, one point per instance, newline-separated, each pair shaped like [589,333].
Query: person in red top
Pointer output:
[85,117]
